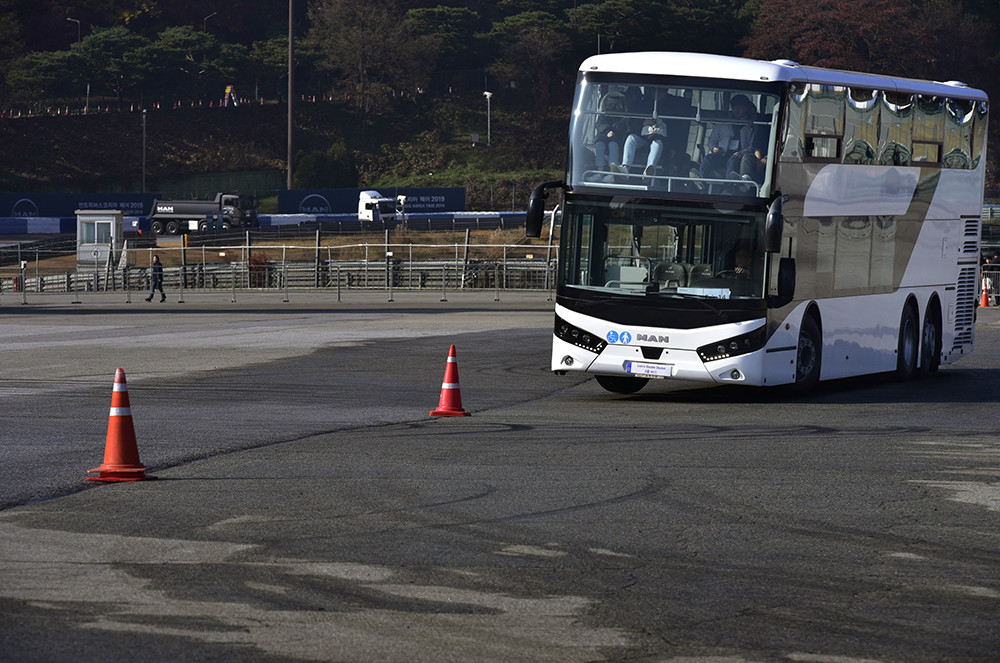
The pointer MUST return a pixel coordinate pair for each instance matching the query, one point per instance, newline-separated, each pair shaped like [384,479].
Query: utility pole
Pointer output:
[144,150]
[291,91]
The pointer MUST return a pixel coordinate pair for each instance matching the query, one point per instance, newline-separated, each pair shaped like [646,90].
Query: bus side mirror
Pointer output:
[536,208]
[774,225]
[786,284]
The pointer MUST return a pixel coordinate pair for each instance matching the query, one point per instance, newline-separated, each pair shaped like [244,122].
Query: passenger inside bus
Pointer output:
[734,148]
[609,130]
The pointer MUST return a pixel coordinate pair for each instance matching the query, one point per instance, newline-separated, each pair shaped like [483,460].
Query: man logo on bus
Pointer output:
[615,337]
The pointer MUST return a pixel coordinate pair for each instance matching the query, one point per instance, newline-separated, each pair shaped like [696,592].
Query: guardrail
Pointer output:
[258,268]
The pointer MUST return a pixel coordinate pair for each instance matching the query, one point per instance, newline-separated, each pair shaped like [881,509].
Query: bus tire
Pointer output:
[617,384]
[908,349]
[808,355]
[930,342]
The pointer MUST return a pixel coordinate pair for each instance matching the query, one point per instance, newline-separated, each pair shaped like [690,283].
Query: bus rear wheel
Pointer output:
[909,345]
[808,355]
[930,344]
[621,385]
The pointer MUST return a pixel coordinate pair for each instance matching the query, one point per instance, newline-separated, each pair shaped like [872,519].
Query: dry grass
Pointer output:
[483,245]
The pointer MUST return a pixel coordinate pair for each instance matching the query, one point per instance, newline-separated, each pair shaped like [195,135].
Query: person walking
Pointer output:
[156,280]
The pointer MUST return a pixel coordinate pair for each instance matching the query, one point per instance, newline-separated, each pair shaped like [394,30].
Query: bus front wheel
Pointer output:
[909,345]
[809,355]
[620,385]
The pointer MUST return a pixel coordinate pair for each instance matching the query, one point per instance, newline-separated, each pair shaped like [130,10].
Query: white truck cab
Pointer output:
[374,207]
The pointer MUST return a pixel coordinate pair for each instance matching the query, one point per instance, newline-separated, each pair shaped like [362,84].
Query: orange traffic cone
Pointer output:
[985,300]
[121,453]
[451,395]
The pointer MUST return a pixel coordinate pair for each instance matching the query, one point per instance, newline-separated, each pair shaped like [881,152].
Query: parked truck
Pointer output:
[228,210]
[375,208]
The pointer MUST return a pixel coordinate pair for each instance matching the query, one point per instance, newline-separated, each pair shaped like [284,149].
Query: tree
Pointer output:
[861,35]
[11,39]
[963,44]
[533,47]
[183,60]
[369,51]
[331,169]
[112,58]
[44,75]
[615,24]
[450,37]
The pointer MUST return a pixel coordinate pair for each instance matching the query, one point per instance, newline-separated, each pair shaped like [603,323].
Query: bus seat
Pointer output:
[670,274]
[701,271]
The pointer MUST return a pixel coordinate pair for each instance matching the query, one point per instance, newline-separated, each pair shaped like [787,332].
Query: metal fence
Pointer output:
[291,267]
[990,283]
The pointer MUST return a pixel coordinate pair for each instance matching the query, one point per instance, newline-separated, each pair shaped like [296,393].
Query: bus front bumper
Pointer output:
[630,360]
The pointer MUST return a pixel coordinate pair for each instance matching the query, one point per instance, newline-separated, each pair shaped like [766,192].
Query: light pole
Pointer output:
[488,96]
[144,150]
[77,28]
[204,21]
[291,91]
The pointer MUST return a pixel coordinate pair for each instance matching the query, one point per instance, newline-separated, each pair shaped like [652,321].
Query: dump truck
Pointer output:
[228,210]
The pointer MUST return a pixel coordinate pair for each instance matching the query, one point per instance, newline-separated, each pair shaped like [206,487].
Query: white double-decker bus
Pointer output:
[764,223]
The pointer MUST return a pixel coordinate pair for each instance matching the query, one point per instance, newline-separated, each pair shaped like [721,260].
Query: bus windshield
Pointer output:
[651,248]
[682,135]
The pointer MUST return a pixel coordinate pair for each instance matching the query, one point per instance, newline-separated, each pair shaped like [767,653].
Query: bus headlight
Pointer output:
[733,347]
[578,337]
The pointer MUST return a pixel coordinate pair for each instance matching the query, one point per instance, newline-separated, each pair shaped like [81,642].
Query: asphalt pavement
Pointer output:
[306,506]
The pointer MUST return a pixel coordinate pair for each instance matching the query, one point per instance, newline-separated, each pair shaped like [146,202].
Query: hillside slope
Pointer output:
[429,146]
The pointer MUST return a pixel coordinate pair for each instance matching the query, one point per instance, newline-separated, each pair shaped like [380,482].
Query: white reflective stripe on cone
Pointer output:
[121,412]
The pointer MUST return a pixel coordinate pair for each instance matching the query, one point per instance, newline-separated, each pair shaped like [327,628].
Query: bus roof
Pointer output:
[725,67]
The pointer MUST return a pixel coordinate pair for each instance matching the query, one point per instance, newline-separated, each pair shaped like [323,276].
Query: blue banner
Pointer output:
[29,205]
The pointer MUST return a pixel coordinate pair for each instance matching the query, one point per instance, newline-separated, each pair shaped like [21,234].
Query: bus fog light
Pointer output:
[736,375]
[567,360]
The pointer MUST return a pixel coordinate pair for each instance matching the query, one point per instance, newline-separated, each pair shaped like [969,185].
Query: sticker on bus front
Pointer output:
[649,370]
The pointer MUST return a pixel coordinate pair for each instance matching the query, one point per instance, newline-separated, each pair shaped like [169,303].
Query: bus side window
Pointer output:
[895,136]
[959,117]
[794,136]
[928,129]
[979,132]
[815,125]
[861,126]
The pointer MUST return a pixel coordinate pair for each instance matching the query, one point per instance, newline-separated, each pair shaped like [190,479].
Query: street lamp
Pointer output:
[291,91]
[77,28]
[204,21]
[488,96]
[144,150]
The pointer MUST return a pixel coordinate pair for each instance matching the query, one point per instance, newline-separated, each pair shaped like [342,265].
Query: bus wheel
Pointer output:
[620,385]
[930,344]
[809,355]
[909,345]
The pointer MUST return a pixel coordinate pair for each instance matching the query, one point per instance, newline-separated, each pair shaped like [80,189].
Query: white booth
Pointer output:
[99,236]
